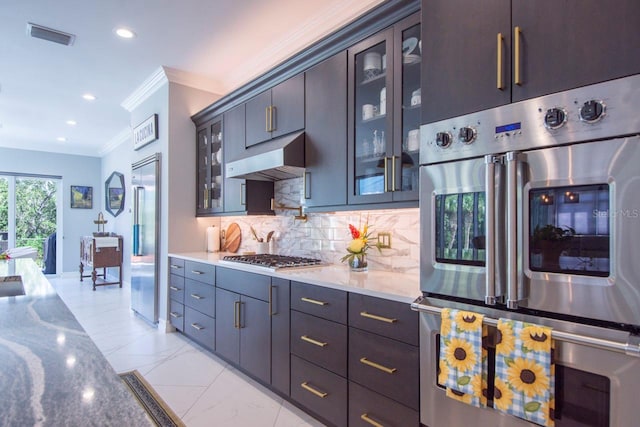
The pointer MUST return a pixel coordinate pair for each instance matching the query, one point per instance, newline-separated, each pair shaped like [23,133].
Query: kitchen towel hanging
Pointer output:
[213,239]
[463,358]
[525,372]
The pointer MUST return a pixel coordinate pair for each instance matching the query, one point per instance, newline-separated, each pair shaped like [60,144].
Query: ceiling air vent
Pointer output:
[44,33]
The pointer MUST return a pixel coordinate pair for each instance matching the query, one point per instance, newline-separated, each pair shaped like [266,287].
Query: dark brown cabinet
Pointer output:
[234,195]
[209,172]
[220,140]
[384,115]
[280,345]
[320,391]
[325,177]
[358,348]
[319,351]
[176,293]
[199,301]
[384,363]
[246,305]
[505,51]
[275,112]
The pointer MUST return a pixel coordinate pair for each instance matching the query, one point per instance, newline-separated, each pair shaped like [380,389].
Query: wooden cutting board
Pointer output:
[233,238]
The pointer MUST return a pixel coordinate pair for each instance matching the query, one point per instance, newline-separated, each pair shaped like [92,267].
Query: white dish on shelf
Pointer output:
[411,59]
[409,45]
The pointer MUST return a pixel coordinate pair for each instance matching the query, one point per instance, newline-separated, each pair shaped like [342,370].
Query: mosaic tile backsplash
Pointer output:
[326,235]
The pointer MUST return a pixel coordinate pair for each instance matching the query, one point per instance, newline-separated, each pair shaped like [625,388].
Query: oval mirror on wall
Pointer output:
[114,193]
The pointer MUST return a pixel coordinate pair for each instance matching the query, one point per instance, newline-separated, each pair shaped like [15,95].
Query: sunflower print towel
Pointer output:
[525,372]
[463,358]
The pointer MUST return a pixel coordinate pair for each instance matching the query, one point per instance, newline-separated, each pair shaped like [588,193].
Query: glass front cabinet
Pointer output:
[384,115]
[209,176]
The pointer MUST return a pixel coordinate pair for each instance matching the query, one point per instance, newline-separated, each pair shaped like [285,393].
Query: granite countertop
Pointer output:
[51,372]
[383,284]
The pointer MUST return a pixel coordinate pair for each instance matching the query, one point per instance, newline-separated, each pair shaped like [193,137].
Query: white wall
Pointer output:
[179,229]
[74,170]
[119,160]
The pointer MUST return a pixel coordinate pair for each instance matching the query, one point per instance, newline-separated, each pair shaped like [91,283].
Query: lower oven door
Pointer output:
[594,386]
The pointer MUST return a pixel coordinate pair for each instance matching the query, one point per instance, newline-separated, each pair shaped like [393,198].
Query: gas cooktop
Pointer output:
[273,262]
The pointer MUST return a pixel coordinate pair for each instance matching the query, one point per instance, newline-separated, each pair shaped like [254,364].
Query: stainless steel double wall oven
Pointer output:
[531,211]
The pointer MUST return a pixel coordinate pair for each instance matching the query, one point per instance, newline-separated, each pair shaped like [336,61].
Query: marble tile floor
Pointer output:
[202,389]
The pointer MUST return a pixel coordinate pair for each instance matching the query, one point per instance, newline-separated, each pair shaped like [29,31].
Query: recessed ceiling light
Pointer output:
[89,97]
[125,33]
[72,122]
[61,139]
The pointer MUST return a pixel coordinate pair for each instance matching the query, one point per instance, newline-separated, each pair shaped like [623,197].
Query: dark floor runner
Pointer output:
[157,409]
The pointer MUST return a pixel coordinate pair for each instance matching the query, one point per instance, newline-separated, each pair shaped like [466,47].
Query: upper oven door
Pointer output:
[460,251]
[578,209]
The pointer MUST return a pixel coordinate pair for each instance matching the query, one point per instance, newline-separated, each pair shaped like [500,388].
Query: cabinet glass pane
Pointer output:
[411,104]
[215,184]
[370,120]
[203,166]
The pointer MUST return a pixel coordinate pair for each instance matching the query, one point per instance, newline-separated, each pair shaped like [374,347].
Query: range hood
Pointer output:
[273,160]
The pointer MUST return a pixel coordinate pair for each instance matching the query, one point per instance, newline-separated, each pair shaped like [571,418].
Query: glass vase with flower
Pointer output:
[358,247]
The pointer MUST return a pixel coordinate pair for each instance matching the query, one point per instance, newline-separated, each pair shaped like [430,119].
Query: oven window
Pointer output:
[569,230]
[460,228]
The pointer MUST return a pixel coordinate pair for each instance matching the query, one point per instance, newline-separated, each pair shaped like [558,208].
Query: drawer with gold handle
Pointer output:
[314,342]
[312,390]
[377,366]
[378,318]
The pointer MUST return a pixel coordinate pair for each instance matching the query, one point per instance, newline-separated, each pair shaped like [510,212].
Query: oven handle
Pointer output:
[630,348]
[511,159]
[490,233]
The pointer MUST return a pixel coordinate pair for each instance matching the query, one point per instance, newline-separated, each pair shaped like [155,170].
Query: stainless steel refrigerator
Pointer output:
[145,180]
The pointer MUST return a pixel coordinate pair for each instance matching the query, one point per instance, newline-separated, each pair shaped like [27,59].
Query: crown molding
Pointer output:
[123,136]
[167,74]
[145,90]
[321,25]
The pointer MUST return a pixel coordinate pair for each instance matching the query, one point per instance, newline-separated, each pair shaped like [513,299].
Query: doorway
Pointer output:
[29,216]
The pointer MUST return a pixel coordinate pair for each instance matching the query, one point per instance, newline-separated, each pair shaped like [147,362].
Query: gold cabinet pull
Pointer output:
[196,326]
[314,342]
[205,202]
[196,296]
[386,184]
[274,118]
[499,55]
[271,313]
[313,301]
[305,176]
[310,389]
[393,173]
[173,288]
[382,368]
[365,417]
[376,317]
[266,119]
[516,59]
[236,314]
[197,272]
[174,315]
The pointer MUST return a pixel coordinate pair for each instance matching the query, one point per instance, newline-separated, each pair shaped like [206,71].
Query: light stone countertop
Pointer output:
[51,372]
[383,284]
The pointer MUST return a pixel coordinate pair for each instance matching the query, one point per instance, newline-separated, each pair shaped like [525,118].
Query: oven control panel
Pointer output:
[600,111]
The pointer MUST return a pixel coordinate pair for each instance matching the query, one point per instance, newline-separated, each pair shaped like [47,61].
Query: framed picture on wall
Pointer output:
[81,197]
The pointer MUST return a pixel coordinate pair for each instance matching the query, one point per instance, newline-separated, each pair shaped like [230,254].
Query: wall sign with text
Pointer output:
[145,132]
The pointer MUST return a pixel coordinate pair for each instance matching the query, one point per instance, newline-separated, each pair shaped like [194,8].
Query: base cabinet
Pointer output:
[346,358]
[367,407]
[199,327]
[322,392]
